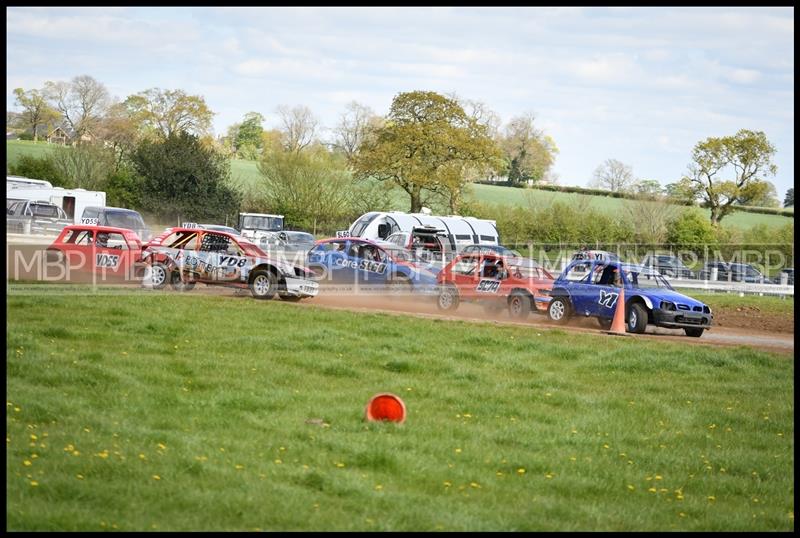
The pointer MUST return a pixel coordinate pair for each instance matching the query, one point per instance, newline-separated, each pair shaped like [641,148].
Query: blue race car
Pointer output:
[362,262]
[649,298]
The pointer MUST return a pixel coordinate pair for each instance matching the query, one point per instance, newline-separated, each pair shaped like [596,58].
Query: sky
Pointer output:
[640,85]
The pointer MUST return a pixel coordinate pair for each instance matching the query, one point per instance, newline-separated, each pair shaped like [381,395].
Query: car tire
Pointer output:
[181,284]
[155,275]
[695,332]
[559,310]
[637,319]
[519,306]
[400,285]
[289,298]
[448,298]
[263,284]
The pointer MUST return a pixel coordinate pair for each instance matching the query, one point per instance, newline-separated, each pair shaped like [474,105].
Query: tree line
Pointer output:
[428,146]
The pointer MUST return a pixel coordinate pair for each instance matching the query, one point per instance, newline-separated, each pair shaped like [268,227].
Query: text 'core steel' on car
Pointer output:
[498,282]
[184,256]
[366,263]
[649,298]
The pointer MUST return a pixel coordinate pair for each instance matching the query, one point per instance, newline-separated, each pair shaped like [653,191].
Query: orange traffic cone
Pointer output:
[618,323]
[386,406]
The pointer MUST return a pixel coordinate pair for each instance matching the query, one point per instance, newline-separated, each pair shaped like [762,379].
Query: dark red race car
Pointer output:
[105,251]
[498,282]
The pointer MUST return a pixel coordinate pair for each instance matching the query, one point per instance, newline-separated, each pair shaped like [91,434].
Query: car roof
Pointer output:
[108,229]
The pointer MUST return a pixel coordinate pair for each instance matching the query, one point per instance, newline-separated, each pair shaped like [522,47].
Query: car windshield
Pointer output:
[262,223]
[642,277]
[124,219]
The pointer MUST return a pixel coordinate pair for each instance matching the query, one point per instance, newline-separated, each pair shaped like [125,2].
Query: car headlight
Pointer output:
[668,305]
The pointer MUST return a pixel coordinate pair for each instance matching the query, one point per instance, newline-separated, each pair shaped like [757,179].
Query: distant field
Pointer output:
[167,412]
[246,173]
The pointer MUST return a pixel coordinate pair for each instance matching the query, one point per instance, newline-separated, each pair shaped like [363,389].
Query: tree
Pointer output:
[84,166]
[745,157]
[182,179]
[119,129]
[356,123]
[648,187]
[248,140]
[82,101]
[613,175]
[425,138]
[789,200]
[168,112]
[298,125]
[312,188]
[529,153]
[36,111]
[650,218]
[760,194]
[690,229]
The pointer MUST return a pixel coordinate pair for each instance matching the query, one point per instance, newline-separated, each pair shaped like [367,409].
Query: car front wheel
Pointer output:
[559,310]
[695,332]
[156,275]
[637,319]
[263,284]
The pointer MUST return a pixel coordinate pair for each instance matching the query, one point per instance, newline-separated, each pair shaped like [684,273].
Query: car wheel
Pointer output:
[695,332]
[290,298]
[180,283]
[637,319]
[519,306]
[448,298]
[155,275]
[559,310]
[263,284]
[400,285]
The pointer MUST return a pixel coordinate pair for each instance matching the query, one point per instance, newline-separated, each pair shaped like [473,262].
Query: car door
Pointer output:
[488,284]
[369,263]
[466,275]
[112,254]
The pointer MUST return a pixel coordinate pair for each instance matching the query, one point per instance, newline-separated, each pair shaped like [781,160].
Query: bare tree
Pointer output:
[354,126]
[83,102]
[299,125]
[614,176]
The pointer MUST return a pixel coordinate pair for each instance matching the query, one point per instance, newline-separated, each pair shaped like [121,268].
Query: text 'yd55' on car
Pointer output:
[649,298]
[185,256]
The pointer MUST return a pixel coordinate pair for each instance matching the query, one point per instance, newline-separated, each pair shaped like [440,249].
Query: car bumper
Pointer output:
[681,318]
[301,287]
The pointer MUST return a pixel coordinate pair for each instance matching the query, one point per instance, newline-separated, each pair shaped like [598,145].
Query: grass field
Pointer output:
[246,173]
[156,411]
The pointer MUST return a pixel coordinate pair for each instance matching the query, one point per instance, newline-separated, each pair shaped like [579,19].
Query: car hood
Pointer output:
[668,295]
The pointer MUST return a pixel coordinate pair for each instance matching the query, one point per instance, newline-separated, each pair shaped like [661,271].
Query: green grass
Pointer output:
[245,173]
[157,411]
[782,306]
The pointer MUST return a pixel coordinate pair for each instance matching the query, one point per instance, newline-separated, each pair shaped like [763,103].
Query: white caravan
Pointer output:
[459,231]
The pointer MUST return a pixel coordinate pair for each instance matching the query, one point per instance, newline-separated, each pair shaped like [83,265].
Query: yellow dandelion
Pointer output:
[520,471]
[458,451]
[712,498]
[658,477]
[76,453]
[606,446]
[681,514]
[340,464]
[34,483]
[474,485]
[33,437]
[142,456]
[447,484]
[162,446]
[652,490]
[549,475]
[156,477]
[499,473]
[378,487]
[27,463]
[278,462]
[239,467]
[631,487]
[79,477]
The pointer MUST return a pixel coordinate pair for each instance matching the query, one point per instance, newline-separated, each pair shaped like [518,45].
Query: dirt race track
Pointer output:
[735,327]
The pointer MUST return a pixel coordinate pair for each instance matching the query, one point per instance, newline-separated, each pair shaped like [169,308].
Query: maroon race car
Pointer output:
[519,284]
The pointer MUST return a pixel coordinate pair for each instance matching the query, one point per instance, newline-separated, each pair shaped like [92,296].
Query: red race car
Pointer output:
[107,251]
[498,282]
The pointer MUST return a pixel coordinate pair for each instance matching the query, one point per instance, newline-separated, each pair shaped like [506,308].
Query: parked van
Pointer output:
[457,231]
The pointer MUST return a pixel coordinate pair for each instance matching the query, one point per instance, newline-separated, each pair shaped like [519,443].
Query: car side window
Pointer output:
[117,241]
[465,266]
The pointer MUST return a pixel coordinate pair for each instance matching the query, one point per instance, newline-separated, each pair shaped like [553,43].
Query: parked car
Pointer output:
[362,261]
[183,257]
[118,217]
[35,217]
[733,272]
[789,272]
[519,284]
[104,250]
[668,265]
[649,298]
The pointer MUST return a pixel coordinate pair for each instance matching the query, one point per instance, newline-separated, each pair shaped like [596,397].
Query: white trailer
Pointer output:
[460,231]
[72,201]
